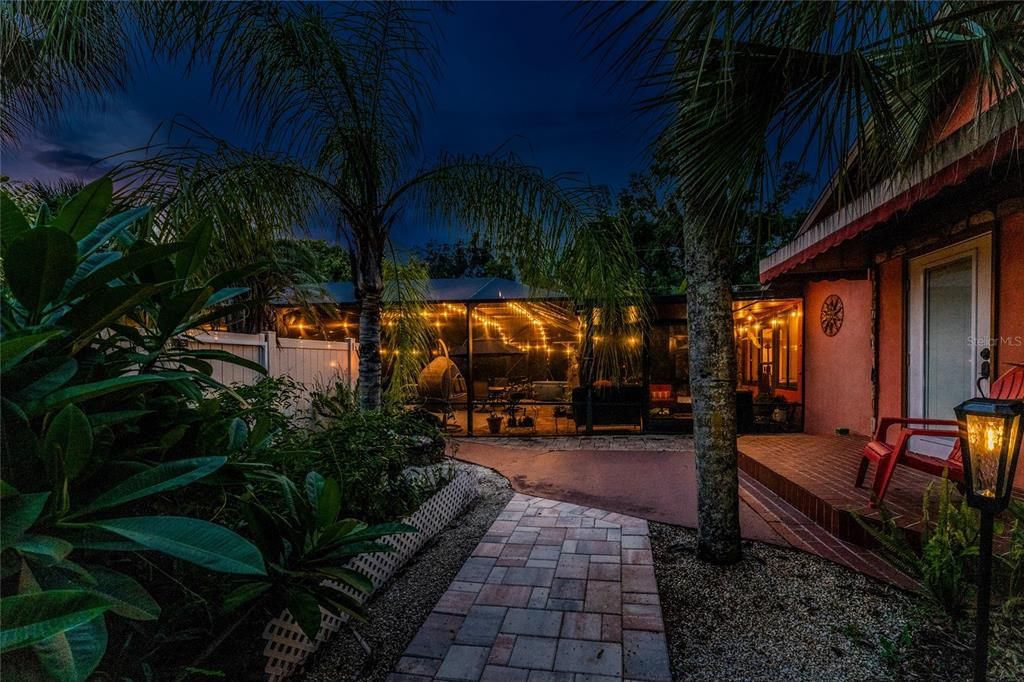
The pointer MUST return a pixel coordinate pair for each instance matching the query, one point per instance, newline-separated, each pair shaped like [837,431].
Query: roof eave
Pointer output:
[961,155]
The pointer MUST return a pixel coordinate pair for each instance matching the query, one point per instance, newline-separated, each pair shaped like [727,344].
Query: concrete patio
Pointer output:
[654,478]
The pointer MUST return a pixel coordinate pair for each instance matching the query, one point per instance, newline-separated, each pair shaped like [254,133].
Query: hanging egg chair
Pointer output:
[441,379]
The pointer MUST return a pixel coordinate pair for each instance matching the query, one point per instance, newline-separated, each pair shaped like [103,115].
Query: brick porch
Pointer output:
[815,474]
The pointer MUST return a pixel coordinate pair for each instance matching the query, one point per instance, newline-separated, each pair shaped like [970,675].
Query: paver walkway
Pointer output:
[554,591]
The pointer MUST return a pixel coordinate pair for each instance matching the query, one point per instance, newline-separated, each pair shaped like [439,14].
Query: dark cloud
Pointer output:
[67,160]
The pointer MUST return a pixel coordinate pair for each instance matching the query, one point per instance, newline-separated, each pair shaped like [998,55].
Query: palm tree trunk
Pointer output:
[713,385]
[370,287]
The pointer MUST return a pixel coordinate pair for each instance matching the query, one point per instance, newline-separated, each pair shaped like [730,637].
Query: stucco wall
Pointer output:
[837,369]
[1011,291]
[891,354]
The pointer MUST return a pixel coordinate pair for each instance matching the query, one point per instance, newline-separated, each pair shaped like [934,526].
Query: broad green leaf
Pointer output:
[224,295]
[199,237]
[68,441]
[108,229]
[52,548]
[179,310]
[37,265]
[118,417]
[14,350]
[158,479]
[12,221]
[86,267]
[99,540]
[34,617]
[337,602]
[201,366]
[83,212]
[200,542]
[354,579]
[75,653]
[129,599]
[18,444]
[80,392]
[105,306]
[380,530]
[261,526]
[47,374]
[238,434]
[329,503]
[222,355]
[314,484]
[124,265]
[243,594]
[19,513]
[347,550]
[305,609]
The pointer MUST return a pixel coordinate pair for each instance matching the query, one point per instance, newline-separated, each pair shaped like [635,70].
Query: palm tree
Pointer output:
[56,51]
[744,85]
[337,91]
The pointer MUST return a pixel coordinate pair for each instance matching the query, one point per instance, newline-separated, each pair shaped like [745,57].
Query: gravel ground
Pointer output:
[397,610]
[777,615]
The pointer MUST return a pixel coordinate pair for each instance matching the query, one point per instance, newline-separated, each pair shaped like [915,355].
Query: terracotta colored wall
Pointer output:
[891,352]
[1011,291]
[1011,302]
[837,369]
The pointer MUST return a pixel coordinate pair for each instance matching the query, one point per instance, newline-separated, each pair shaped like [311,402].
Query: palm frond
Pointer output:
[600,272]
[408,337]
[521,210]
[53,51]
[743,87]
[255,198]
[552,227]
[316,78]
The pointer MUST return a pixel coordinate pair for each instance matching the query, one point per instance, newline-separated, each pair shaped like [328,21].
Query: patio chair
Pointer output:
[888,453]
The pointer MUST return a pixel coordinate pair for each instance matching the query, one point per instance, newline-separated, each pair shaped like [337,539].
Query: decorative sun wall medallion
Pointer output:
[832,315]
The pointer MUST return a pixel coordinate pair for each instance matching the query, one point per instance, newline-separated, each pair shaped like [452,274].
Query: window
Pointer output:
[768,339]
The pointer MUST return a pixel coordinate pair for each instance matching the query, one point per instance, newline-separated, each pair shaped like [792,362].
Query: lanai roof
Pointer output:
[456,290]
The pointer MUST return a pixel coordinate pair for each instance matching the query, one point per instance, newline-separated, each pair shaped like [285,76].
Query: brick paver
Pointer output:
[554,591]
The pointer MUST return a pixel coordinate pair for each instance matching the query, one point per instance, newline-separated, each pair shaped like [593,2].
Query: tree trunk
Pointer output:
[713,388]
[369,288]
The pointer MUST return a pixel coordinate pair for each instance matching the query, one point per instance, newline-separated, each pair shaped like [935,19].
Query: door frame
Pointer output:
[979,248]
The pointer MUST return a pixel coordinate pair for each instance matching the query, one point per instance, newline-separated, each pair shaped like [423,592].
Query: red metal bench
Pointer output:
[887,453]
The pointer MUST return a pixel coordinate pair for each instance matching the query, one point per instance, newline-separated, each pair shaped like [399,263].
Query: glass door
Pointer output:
[950,323]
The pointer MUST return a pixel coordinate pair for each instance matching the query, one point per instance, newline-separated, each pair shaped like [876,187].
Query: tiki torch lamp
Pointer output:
[990,435]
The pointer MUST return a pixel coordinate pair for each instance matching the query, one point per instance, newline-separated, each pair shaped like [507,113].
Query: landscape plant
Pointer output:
[125,463]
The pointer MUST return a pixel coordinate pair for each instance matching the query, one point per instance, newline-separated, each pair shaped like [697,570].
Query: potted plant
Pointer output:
[494,422]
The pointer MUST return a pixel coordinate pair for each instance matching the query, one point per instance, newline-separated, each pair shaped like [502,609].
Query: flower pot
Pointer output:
[494,424]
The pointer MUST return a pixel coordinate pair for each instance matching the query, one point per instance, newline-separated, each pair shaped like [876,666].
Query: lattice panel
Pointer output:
[288,647]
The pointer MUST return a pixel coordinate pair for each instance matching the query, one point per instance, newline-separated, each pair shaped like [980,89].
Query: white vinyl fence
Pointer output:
[309,362]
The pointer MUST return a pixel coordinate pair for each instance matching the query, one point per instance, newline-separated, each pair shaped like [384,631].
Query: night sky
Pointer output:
[513,74]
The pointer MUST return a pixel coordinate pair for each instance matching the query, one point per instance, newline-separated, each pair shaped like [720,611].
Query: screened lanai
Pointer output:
[505,359]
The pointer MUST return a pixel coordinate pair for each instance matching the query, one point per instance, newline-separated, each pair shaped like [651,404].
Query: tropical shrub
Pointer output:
[949,544]
[306,543]
[370,454]
[119,448]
